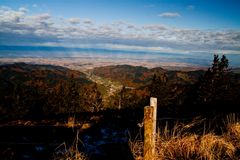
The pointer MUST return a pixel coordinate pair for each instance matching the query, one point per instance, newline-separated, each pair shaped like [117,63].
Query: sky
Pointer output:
[187,27]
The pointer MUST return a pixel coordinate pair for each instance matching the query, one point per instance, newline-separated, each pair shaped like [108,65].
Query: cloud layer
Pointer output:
[170,14]
[17,27]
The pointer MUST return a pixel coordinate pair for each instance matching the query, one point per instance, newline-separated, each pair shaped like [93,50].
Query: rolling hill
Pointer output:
[38,75]
[138,76]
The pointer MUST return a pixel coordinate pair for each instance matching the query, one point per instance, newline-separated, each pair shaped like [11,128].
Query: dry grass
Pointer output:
[233,133]
[180,143]
[71,153]
[136,147]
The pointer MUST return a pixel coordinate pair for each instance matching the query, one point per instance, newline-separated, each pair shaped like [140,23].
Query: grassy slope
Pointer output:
[181,143]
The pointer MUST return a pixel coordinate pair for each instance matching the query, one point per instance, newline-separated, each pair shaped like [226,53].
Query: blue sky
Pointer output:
[199,14]
[170,26]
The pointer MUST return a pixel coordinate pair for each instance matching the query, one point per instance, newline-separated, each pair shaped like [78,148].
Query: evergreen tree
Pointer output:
[73,96]
[57,98]
[214,85]
[161,88]
[91,98]
[128,98]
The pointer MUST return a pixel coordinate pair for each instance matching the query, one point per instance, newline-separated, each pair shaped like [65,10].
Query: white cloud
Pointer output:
[74,20]
[17,27]
[155,27]
[170,14]
[10,16]
[41,17]
[22,9]
[88,21]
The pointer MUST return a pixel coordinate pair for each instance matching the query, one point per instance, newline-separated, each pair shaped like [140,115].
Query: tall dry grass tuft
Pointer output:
[136,149]
[214,147]
[181,142]
[176,148]
[233,132]
[71,153]
[136,145]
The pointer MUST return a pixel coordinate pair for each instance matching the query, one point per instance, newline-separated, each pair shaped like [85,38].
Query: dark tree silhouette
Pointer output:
[215,86]
[91,98]
[72,97]
[161,88]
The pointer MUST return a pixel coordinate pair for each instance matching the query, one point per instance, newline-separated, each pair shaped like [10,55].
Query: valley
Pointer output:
[106,102]
[108,87]
[120,80]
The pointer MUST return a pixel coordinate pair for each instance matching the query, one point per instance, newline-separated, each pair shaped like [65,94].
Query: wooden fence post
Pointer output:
[153,103]
[148,150]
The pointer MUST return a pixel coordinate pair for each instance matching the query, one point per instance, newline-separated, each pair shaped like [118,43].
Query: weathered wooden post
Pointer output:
[148,149]
[153,103]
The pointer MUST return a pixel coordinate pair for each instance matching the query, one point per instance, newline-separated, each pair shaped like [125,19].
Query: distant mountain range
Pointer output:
[103,54]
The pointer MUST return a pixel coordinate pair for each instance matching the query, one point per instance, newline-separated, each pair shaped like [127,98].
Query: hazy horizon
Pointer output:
[185,33]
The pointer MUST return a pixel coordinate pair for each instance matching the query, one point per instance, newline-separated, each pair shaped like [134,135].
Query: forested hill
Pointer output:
[38,90]
[137,76]
[37,75]
[43,90]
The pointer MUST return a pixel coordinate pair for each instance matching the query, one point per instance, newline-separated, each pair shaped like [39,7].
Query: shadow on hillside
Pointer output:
[106,139]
